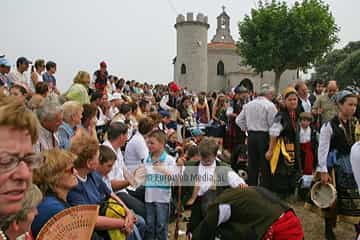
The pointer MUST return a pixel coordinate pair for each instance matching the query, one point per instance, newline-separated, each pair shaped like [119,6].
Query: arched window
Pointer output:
[220,68]
[183,69]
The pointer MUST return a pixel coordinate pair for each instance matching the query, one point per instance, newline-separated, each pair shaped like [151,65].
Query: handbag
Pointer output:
[111,208]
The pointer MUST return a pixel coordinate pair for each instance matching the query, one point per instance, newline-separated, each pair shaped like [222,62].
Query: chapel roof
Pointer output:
[221,45]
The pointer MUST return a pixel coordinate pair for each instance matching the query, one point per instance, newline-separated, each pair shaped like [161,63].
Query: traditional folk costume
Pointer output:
[249,213]
[308,146]
[336,140]
[199,194]
[285,164]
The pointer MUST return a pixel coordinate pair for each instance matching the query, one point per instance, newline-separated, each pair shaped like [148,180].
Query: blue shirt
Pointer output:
[49,79]
[65,133]
[91,191]
[49,207]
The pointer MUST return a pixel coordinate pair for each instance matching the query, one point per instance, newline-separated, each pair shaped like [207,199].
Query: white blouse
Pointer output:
[324,146]
[305,135]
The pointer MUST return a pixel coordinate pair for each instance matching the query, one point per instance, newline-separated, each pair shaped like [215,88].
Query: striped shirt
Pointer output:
[257,115]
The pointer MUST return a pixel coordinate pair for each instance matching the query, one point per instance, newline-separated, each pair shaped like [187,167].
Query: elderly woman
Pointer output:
[79,90]
[18,225]
[56,177]
[72,111]
[336,139]
[284,164]
[91,188]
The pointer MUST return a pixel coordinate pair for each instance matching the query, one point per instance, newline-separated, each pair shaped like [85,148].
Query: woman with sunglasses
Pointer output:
[36,72]
[55,178]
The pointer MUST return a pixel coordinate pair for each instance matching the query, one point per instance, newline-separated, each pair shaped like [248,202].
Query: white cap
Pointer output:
[116,96]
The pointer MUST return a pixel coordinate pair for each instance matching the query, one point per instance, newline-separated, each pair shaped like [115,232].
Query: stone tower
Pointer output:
[191,63]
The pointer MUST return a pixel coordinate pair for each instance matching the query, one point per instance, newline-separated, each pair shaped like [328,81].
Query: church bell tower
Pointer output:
[223,34]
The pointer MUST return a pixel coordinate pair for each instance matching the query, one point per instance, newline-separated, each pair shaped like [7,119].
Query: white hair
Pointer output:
[48,109]
[266,89]
[70,108]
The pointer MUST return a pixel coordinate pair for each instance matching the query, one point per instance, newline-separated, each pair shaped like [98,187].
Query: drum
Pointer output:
[323,195]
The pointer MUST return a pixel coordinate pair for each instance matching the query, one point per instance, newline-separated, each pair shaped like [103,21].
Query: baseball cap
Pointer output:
[4,62]
[22,60]
[116,96]
[174,87]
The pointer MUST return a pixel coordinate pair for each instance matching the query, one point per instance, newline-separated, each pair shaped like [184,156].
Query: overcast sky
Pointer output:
[136,38]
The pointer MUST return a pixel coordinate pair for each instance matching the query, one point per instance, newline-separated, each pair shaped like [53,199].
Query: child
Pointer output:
[192,153]
[107,158]
[158,166]
[307,142]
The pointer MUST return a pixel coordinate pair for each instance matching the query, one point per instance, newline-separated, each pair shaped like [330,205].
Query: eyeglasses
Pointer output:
[9,162]
[70,170]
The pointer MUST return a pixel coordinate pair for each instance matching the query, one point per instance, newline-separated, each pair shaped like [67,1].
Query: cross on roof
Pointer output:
[223,8]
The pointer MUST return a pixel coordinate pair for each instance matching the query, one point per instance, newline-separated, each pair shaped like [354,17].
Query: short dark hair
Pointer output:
[41,88]
[192,151]
[143,103]
[145,125]
[125,108]
[116,129]
[95,96]
[49,65]
[318,81]
[106,154]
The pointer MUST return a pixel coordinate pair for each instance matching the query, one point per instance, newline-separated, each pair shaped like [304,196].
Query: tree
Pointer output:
[348,71]
[276,38]
[328,67]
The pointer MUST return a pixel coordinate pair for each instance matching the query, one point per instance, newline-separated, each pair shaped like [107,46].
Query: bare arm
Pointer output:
[119,184]
[214,113]
[105,223]
[34,78]
[207,112]
[270,150]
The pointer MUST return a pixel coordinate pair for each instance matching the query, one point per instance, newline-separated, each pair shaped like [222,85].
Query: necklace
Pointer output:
[2,235]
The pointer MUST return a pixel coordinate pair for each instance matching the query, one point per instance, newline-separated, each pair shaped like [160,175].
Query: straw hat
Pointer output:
[323,195]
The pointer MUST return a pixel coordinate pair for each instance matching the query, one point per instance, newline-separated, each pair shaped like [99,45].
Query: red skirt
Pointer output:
[309,158]
[287,227]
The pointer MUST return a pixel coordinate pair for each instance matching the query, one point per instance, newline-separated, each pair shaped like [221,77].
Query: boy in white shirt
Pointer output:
[159,168]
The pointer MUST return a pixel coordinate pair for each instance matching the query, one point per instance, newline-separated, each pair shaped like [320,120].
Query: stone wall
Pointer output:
[192,38]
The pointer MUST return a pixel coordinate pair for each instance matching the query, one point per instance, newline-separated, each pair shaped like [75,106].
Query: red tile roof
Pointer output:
[220,45]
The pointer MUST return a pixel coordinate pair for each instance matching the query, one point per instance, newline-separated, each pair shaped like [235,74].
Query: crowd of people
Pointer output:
[116,143]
